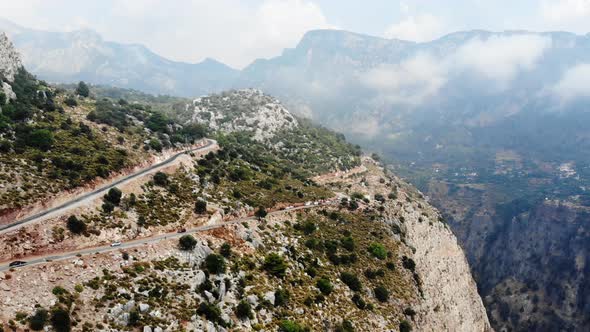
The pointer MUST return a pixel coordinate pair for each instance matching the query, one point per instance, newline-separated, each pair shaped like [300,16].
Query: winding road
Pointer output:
[143,241]
[77,201]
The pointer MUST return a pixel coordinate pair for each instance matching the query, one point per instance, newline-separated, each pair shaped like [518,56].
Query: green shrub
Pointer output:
[351,280]
[200,206]
[82,89]
[358,301]
[160,179]
[76,225]
[211,312]
[215,263]
[275,265]
[261,212]
[38,320]
[408,263]
[347,243]
[290,326]
[225,250]
[345,326]
[281,297]
[404,326]
[187,242]
[381,293]
[244,310]
[113,196]
[60,319]
[378,250]
[324,285]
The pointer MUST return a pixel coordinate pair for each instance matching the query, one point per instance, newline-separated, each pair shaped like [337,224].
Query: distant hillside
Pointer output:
[66,57]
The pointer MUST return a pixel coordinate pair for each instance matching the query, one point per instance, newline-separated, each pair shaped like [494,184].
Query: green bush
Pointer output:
[76,225]
[347,243]
[291,326]
[113,196]
[281,297]
[215,263]
[261,212]
[225,250]
[187,242]
[211,312]
[244,310]
[38,320]
[324,285]
[408,263]
[345,326]
[200,206]
[160,179]
[404,326]
[381,293]
[378,250]
[82,89]
[351,280]
[41,139]
[60,319]
[275,265]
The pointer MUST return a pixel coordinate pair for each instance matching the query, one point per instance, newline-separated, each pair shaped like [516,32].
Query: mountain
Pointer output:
[491,126]
[232,215]
[67,57]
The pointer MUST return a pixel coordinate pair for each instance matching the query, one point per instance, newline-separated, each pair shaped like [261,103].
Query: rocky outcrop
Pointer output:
[243,110]
[10,63]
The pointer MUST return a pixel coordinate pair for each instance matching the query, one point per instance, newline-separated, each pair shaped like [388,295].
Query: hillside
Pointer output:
[258,232]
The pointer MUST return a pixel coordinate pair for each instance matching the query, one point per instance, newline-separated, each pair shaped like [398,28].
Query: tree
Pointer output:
[200,206]
[38,320]
[261,212]
[160,179]
[324,285]
[381,293]
[113,196]
[187,242]
[82,89]
[215,263]
[244,310]
[76,225]
[60,319]
[275,265]
[225,250]
[156,144]
[345,326]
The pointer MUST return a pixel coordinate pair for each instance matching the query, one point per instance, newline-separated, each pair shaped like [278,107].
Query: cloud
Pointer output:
[500,58]
[496,60]
[560,11]
[574,83]
[410,81]
[419,28]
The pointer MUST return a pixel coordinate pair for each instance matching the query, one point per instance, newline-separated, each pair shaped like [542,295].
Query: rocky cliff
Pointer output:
[10,63]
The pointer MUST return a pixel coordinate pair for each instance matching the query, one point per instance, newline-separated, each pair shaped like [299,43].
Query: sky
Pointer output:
[238,32]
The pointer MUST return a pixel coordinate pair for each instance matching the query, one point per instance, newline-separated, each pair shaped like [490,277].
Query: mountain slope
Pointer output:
[84,56]
[490,125]
[264,233]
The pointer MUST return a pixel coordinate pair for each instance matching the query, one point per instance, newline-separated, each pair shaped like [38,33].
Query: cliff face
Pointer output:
[10,63]
[449,300]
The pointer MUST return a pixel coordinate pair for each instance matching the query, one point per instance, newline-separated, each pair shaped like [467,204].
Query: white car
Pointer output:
[115,244]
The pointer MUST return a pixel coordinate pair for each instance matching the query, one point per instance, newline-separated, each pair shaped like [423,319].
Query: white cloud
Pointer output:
[574,83]
[410,82]
[419,28]
[496,60]
[561,11]
[500,58]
